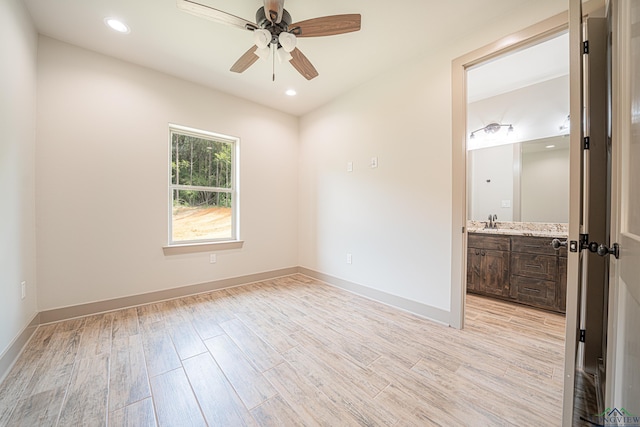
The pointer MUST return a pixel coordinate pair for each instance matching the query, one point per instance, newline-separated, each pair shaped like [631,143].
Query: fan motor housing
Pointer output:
[263,22]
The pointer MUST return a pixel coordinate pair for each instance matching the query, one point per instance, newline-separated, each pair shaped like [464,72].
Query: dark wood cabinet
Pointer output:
[535,272]
[524,269]
[488,265]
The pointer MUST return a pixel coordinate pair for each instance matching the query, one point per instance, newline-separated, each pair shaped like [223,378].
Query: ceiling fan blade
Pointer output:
[273,10]
[215,15]
[246,60]
[303,65]
[326,25]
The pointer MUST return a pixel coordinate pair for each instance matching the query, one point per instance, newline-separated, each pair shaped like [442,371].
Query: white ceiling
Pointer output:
[534,64]
[394,34]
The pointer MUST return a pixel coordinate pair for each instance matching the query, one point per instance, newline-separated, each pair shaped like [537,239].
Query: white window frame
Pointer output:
[187,246]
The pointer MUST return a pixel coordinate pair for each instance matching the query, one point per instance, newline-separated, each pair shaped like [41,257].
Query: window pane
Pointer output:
[200,162]
[201,215]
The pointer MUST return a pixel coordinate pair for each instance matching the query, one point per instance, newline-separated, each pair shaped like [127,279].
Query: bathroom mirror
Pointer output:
[522,182]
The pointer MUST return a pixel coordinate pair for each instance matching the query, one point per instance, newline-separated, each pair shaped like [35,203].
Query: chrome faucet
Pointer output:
[492,221]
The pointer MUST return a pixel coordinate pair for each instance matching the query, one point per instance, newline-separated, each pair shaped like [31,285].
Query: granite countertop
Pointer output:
[537,229]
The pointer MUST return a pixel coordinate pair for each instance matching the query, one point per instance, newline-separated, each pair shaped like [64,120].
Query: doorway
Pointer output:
[518,174]
[536,34]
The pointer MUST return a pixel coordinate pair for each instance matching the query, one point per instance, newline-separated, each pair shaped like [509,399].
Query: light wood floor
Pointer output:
[289,352]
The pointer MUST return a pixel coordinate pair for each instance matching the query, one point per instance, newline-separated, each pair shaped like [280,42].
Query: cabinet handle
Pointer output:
[477,252]
[537,291]
[482,253]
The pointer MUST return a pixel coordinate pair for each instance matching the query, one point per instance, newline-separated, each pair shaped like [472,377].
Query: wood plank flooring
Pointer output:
[289,352]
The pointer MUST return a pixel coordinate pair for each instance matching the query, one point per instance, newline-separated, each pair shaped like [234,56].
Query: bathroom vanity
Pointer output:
[516,262]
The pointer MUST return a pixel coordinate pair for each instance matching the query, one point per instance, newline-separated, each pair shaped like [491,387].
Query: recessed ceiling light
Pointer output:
[291,92]
[550,146]
[117,25]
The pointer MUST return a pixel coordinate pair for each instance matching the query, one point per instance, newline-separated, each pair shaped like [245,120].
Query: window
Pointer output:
[203,188]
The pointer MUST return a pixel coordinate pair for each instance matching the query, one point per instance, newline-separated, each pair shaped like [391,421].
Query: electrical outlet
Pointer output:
[213,258]
[374,162]
[23,289]
[349,259]
[349,166]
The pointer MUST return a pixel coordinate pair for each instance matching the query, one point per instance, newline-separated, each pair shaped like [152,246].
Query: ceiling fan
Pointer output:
[274,31]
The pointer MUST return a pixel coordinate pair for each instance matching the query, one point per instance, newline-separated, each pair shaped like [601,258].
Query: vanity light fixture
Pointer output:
[117,25]
[493,128]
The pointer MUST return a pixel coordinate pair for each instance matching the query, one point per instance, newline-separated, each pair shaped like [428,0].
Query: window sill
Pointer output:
[192,248]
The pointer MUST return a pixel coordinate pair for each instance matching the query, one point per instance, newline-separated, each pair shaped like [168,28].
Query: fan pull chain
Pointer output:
[273,66]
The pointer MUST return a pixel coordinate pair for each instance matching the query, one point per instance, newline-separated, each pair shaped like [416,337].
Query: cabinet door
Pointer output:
[495,272]
[474,265]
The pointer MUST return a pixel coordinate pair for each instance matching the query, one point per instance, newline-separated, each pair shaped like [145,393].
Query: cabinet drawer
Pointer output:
[485,241]
[532,245]
[543,267]
[541,293]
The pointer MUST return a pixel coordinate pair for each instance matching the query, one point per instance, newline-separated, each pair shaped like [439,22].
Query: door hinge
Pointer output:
[583,335]
[585,47]
[587,143]
[462,229]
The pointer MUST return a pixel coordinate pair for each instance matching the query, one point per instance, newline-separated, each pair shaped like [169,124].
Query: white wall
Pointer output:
[102,161]
[18,48]
[396,219]
[536,111]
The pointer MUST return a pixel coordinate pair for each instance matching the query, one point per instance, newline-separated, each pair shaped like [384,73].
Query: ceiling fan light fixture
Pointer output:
[271,21]
[263,53]
[283,55]
[288,41]
[262,38]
